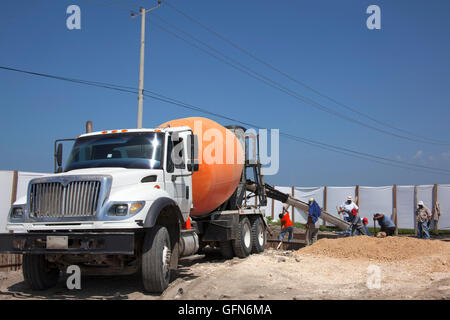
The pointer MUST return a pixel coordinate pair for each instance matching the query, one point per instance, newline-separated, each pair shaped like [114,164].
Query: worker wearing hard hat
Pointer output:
[349,205]
[365,222]
[356,223]
[313,224]
[346,210]
[286,227]
[385,223]
[423,215]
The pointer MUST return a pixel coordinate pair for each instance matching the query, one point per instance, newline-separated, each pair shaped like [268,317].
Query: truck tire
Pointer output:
[258,235]
[226,249]
[242,245]
[156,273]
[37,272]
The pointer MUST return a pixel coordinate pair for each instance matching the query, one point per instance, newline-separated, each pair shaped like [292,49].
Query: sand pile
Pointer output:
[381,249]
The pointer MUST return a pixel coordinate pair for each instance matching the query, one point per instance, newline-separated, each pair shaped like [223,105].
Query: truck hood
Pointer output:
[120,176]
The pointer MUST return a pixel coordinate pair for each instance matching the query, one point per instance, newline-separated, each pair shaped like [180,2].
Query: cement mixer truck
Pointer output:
[136,200]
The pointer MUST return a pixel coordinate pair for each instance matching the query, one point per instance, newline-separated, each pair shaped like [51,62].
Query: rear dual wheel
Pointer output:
[242,245]
[258,235]
[251,238]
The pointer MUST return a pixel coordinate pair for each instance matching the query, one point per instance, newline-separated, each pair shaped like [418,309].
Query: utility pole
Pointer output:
[140,112]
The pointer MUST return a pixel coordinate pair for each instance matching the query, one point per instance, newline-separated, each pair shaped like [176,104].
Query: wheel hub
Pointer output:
[166,259]
[247,236]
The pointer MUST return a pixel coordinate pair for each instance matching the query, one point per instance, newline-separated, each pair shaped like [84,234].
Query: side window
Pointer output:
[180,159]
[169,164]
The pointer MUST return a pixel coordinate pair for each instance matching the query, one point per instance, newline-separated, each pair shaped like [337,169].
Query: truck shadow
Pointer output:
[92,287]
[109,287]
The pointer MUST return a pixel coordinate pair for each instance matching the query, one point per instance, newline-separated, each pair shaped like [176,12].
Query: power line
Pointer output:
[258,76]
[162,98]
[346,151]
[244,69]
[323,95]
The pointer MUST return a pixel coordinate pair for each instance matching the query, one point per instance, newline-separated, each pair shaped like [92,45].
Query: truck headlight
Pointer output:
[123,209]
[17,213]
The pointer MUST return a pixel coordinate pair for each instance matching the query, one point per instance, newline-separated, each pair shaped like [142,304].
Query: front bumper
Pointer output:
[77,243]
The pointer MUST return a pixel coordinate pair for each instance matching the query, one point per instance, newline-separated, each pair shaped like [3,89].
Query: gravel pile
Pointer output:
[381,249]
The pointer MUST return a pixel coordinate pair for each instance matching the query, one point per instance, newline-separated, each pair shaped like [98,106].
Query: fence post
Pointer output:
[293,209]
[435,200]
[272,209]
[324,205]
[357,195]
[415,208]
[394,209]
[13,259]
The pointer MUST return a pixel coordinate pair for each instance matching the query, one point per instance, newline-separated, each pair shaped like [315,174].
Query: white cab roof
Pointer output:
[165,129]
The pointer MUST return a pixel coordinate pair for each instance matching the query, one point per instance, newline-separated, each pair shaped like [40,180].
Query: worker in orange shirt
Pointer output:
[286,226]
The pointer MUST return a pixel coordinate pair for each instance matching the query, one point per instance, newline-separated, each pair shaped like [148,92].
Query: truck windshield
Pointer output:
[141,150]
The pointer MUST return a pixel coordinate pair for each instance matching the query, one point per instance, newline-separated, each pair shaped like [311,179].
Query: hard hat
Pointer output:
[311,200]
[420,203]
[349,198]
[365,221]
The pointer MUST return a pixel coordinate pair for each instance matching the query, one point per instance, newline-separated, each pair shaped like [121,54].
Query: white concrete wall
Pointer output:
[443,196]
[6,178]
[405,207]
[375,200]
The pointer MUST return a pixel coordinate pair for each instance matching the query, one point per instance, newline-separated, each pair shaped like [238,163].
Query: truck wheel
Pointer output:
[258,235]
[38,273]
[242,245]
[226,249]
[156,253]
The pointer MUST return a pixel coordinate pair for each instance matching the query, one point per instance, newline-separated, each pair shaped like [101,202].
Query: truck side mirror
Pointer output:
[58,156]
[193,165]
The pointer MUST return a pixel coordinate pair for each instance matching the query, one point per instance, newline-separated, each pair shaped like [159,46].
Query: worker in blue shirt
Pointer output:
[313,224]
[385,223]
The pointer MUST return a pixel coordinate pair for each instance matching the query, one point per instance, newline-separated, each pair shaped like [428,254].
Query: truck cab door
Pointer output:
[178,179]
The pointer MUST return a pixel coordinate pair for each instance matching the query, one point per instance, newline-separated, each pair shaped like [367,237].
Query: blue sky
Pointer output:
[399,74]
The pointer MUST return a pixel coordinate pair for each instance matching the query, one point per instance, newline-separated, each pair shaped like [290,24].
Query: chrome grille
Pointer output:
[52,199]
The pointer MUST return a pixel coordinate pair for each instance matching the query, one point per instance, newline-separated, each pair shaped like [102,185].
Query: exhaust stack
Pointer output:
[88,126]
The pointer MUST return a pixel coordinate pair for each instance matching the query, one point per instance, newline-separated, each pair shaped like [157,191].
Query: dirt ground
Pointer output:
[309,273]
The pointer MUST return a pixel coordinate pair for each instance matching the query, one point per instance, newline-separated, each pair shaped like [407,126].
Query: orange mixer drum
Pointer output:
[221,158]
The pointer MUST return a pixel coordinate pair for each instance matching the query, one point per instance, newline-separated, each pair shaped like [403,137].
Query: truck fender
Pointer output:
[157,207]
